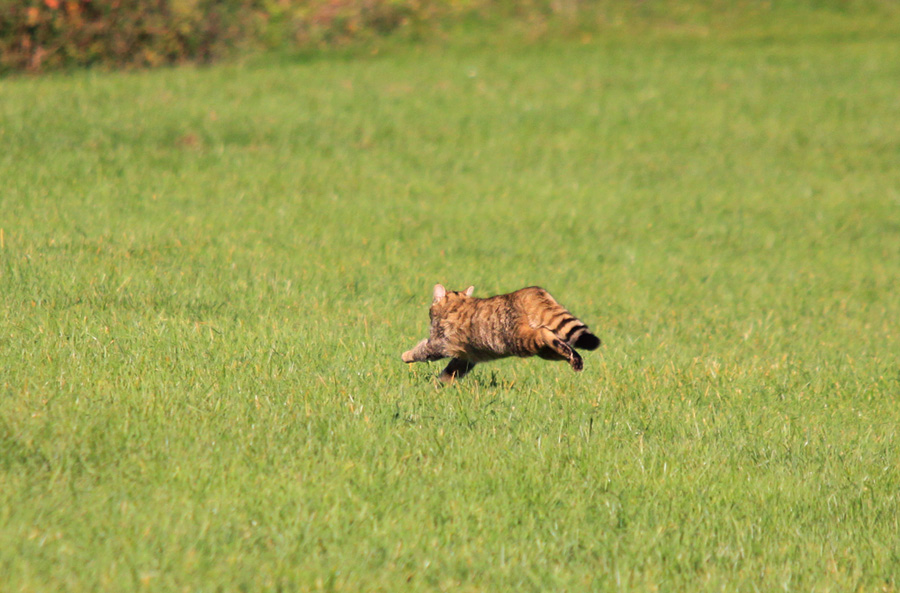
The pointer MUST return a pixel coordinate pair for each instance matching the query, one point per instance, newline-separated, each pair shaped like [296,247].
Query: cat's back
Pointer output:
[537,308]
[515,312]
[532,296]
[513,305]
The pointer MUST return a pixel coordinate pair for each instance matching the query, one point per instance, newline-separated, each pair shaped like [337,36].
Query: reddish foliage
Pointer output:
[37,35]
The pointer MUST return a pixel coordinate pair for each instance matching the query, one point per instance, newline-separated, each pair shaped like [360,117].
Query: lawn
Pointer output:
[209,275]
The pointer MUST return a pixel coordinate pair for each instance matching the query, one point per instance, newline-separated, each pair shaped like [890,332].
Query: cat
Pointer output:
[526,322]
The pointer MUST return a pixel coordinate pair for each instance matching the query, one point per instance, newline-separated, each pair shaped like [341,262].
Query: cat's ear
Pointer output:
[439,292]
[469,291]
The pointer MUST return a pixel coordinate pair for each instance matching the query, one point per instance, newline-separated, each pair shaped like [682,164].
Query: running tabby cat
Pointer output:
[524,323]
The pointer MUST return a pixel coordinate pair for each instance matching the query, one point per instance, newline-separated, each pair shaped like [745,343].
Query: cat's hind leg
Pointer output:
[558,347]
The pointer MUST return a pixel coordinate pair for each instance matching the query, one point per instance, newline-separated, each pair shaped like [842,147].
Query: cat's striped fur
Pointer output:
[528,322]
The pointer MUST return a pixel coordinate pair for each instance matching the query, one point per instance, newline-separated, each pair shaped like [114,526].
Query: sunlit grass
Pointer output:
[209,276]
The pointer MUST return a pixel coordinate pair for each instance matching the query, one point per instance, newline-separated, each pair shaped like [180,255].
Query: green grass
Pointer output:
[209,276]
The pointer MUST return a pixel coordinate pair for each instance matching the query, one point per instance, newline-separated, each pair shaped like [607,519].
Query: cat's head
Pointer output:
[443,298]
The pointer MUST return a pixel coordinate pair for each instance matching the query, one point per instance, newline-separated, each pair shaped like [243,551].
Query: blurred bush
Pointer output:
[41,34]
[37,35]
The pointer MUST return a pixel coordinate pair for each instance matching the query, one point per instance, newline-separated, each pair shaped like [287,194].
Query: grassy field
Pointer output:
[208,277]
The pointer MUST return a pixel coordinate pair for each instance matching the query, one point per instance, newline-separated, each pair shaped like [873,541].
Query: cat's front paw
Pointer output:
[408,356]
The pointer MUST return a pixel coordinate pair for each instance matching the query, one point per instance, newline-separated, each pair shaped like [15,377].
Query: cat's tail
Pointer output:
[575,333]
[587,341]
[550,314]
